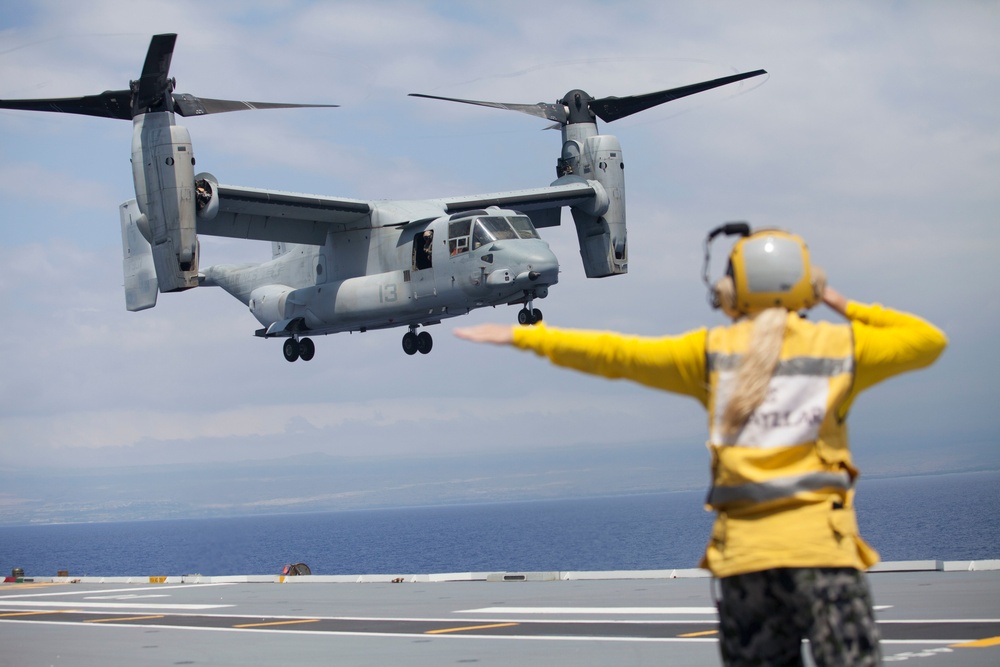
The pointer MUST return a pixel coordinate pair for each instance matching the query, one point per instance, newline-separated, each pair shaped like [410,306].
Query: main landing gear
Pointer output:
[414,342]
[303,349]
[527,316]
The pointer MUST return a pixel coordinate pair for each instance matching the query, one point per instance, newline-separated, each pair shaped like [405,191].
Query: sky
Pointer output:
[875,135]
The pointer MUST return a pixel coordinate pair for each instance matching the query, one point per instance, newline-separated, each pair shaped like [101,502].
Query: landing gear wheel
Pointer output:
[527,316]
[291,349]
[410,343]
[307,349]
[424,342]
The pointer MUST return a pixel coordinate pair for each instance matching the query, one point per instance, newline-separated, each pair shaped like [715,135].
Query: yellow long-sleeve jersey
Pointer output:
[782,491]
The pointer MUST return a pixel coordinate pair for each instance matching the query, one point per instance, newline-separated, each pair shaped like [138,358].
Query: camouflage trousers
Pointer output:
[764,616]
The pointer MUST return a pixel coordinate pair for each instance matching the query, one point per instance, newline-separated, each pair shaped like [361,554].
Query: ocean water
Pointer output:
[945,517]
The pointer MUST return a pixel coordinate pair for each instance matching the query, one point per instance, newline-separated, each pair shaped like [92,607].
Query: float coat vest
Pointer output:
[783,484]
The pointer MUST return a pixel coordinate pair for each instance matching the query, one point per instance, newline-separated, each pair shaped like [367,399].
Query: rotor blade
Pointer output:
[109,104]
[189,105]
[612,108]
[555,112]
[154,84]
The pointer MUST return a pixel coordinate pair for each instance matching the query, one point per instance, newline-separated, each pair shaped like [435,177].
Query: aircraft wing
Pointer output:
[543,205]
[273,215]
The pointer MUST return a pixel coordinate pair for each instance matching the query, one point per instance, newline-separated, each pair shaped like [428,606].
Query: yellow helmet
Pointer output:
[770,268]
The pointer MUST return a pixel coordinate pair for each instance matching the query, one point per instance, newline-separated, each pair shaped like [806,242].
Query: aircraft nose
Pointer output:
[542,267]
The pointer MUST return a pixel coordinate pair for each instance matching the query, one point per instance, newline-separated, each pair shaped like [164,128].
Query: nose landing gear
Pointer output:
[414,342]
[529,314]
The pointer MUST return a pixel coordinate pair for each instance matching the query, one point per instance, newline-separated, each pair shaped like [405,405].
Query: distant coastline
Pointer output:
[322,483]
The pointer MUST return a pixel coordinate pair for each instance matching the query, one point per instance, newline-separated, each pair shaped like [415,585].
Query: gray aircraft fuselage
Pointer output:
[394,275]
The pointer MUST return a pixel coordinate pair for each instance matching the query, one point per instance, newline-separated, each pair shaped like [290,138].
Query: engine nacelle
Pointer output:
[163,172]
[600,224]
[267,303]
[206,196]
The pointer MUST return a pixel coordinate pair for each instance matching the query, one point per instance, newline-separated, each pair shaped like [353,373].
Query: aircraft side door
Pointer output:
[422,269]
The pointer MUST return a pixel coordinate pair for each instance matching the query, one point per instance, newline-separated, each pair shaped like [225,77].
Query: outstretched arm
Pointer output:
[672,363]
[495,334]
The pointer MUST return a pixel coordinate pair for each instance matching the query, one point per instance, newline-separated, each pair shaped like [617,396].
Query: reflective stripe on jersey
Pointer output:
[781,487]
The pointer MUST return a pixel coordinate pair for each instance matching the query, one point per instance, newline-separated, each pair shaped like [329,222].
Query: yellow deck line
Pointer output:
[979,643]
[262,625]
[122,618]
[700,634]
[470,627]
[30,613]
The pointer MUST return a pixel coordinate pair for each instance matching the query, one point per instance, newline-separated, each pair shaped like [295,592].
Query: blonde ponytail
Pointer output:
[756,368]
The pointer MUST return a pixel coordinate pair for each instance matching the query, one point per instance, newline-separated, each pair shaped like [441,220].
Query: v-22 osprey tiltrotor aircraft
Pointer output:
[350,265]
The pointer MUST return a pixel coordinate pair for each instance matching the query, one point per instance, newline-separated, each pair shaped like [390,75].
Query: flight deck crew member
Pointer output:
[785,545]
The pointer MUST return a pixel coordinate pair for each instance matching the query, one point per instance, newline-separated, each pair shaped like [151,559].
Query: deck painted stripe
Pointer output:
[121,618]
[414,635]
[130,589]
[112,605]
[471,627]
[706,633]
[544,638]
[30,613]
[979,643]
[264,625]
[914,621]
[590,610]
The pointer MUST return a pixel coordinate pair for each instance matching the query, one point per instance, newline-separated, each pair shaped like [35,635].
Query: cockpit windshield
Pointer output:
[491,228]
[522,225]
[497,228]
[487,229]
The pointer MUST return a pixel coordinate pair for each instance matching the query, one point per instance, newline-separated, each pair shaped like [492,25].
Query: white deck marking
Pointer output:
[125,597]
[109,605]
[131,589]
[610,611]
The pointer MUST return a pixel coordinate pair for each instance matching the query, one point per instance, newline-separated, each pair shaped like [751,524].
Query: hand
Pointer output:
[495,334]
[835,300]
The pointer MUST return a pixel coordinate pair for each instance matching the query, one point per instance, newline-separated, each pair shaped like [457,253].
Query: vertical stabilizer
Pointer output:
[137,261]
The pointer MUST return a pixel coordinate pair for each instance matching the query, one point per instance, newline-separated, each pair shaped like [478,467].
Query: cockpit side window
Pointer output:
[522,225]
[458,236]
[459,228]
[458,246]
